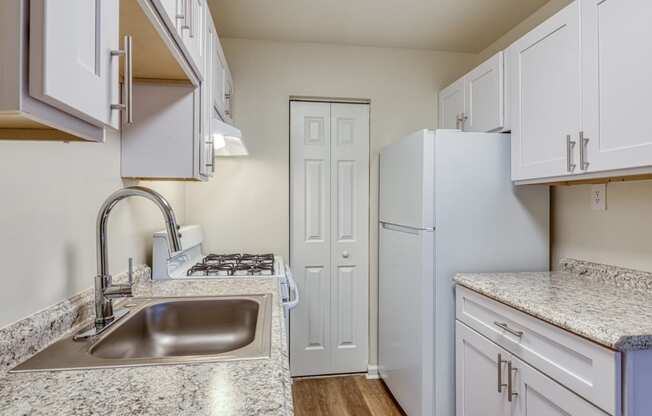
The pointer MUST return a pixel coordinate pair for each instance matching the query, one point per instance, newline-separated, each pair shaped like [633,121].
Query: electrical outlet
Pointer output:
[599,197]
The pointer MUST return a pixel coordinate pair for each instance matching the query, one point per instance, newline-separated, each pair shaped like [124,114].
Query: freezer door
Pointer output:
[406,181]
[405,326]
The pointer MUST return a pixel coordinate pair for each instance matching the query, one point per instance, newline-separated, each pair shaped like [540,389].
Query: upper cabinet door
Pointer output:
[484,96]
[616,65]
[219,73]
[191,25]
[451,106]
[71,66]
[545,97]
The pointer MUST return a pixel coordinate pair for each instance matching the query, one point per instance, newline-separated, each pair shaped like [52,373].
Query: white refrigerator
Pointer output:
[447,205]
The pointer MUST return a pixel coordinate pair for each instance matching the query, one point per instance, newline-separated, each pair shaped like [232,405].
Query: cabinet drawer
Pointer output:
[588,369]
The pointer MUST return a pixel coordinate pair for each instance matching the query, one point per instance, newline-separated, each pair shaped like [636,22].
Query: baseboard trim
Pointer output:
[372,372]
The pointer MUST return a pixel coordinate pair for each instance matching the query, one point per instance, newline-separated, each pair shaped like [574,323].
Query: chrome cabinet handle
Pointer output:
[506,327]
[212,157]
[570,145]
[227,103]
[584,165]
[499,366]
[510,383]
[183,16]
[130,271]
[191,18]
[128,53]
[460,119]
[211,164]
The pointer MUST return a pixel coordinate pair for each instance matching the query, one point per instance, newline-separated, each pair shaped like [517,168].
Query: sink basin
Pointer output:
[182,327]
[169,331]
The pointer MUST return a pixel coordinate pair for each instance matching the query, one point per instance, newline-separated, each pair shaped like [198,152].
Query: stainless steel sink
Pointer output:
[169,331]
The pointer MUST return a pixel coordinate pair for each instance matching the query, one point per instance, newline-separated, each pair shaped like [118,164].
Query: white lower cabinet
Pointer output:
[510,363]
[490,381]
[539,395]
[480,374]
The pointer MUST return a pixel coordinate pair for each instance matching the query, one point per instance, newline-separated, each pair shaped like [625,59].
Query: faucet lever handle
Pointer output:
[130,273]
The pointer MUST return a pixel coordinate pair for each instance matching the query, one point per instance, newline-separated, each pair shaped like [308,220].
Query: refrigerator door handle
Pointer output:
[403,228]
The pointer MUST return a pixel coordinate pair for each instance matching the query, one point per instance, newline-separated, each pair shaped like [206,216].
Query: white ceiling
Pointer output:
[447,25]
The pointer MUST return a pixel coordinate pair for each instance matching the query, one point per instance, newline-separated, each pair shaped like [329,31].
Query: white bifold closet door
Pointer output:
[329,238]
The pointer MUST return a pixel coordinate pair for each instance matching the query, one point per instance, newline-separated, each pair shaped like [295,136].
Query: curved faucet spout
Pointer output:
[103,304]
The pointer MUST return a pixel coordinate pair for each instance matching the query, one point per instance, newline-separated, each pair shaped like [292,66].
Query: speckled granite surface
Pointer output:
[605,304]
[254,387]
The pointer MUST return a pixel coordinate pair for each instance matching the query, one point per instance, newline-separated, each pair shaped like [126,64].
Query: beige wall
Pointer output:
[50,195]
[619,236]
[246,206]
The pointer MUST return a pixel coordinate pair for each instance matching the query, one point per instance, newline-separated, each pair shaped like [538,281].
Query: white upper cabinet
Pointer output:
[545,97]
[228,97]
[207,153]
[165,140]
[580,85]
[219,77]
[451,105]
[483,89]
[617,83]
[475,102]
[71,65]
[194,37]
[65,91]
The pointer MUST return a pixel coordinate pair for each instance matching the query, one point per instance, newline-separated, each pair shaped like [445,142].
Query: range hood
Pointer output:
[227,140]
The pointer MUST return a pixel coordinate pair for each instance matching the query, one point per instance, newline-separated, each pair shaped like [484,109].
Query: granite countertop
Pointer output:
[249,387]
[608,305]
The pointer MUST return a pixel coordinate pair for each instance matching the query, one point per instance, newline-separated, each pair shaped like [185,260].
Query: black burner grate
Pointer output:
[234,265]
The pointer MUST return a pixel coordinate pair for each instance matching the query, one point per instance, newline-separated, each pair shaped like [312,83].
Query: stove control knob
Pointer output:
[345,254]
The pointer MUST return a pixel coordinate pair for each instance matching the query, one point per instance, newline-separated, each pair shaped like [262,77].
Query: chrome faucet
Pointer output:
[105,290]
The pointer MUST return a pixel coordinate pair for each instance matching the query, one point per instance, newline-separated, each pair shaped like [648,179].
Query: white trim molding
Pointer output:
[372,372]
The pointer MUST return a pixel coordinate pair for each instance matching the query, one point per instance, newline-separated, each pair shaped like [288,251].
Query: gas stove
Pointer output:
[234,265]
[191,262]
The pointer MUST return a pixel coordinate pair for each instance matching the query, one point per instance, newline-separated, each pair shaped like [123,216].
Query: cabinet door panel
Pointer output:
[71,66]
[484,96]
[476,363]
[539,395]
[545,95]
[218,82]
[617,63]
[451,105]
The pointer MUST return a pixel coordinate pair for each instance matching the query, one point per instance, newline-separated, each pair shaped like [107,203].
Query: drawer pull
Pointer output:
[500,373]
[506,327]
[510,383]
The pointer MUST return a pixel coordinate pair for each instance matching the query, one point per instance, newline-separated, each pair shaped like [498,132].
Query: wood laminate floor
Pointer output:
[343,396]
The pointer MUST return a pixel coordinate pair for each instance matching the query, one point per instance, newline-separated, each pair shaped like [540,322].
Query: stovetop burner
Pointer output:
[234,265]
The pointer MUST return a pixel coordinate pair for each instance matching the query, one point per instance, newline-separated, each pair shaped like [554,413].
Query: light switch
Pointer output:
[599,197]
